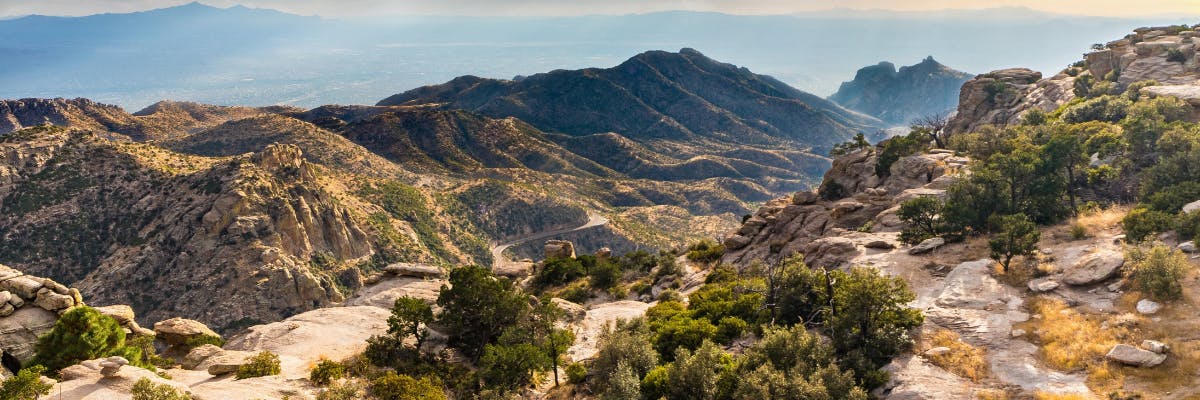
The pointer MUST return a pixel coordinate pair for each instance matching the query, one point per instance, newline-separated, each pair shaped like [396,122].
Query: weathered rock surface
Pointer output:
[829,252]
[1094,268]
[901,96]
[971,285]
[1156,346]
[1134,356]
[788,226]
[1003,97]
[110,366]
[927,245]
[415,270]
[339,332]
[559,249]
[178,331]
[1147,307]
[1043,285]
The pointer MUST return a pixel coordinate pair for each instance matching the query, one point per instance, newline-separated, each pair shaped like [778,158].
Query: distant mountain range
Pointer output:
[655,95]
[898,97]
[241,56]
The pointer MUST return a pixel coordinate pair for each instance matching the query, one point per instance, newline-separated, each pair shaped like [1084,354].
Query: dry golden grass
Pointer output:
[1175,326]
[1101,220]
[991,394]
[963,359]
[1071,341]
[1059,396]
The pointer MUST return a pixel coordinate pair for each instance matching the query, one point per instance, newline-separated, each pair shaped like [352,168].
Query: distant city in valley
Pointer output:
[242,56]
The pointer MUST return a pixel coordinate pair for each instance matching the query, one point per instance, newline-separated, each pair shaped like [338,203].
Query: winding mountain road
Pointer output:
[594,220]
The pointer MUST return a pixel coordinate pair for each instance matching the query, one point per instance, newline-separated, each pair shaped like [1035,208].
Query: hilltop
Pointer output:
[901,97]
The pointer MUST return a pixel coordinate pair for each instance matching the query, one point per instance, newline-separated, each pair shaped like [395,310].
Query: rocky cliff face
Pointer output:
[899,97]
[812,223]
[217,240]
[1166,55]
[159,121]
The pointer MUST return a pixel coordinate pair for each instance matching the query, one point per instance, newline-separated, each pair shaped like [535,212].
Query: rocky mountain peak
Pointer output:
[1164,54]
[899,96]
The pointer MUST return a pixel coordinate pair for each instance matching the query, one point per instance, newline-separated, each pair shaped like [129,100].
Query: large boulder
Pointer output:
[1134,356]
[559,249]
[1192,207]
[24,286]
[830,252]
[414,270]
[179,332]
[225,362]
[927,245]
[20,331]
[971,285]
[850,174]
[1094,268]
[194,358]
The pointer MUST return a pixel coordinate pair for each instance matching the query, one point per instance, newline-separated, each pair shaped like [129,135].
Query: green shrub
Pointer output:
[197,341]
[264,363]
[605,275]
[896,148]
[1103,108]
[681,332]
[858,142]
[392,386]
[1176,55]
[654,384]
[729,329]
[994,89]
[558,271]
[144,389]
[26,385]
[1157,272]
[1172,199]
[576,373]
[83,334]
[705,251]
[1142,222]
[920,216]
[1015,236]
[326,372]
[578,294]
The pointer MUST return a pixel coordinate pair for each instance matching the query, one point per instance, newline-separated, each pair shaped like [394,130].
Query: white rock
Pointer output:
[1192,207]
[1017,333]
[1043,285]
[937,351]
[927,246]
[1147,306]
[1156,346]
[970,285]
[1095,267]
[1130,355]
[1188,247]
[110,366]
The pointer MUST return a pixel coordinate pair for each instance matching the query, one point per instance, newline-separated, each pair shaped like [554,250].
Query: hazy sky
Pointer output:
[335,8]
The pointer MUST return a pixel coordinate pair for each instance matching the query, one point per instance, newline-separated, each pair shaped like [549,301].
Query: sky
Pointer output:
[352,8]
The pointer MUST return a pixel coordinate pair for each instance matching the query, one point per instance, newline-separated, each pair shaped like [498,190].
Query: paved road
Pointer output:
[594,220]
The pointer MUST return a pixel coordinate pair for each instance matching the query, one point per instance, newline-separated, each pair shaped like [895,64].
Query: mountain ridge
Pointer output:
[901,96]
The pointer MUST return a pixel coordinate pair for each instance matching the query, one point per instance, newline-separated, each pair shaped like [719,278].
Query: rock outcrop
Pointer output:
[852,196]
[110,218]
[1003,97]
[899,97]
[1134,356]
[29,307]
[1166,55]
